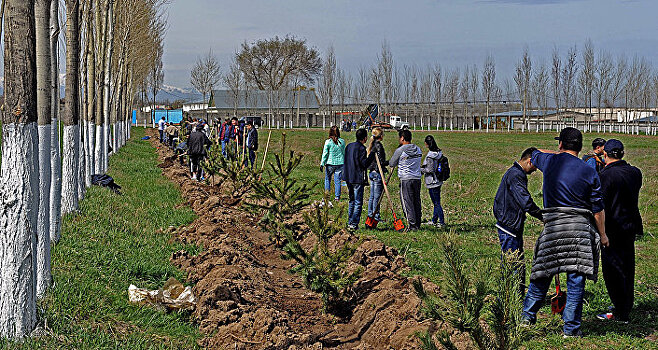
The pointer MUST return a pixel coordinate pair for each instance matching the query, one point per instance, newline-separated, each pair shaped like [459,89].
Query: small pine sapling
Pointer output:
[322,269]
[281,196]
[231,171]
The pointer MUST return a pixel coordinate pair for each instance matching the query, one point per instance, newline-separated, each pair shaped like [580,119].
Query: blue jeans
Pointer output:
[333,171]
[435,196]
[355,205]
[514,244]
[224,142]
[376,188]
[573,310]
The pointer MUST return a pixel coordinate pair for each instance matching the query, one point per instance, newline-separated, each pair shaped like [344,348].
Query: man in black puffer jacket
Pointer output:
[511,204]
[196,149]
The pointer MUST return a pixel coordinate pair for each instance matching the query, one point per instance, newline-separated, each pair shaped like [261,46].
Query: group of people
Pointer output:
[241,136]
[359,166]
[588,202]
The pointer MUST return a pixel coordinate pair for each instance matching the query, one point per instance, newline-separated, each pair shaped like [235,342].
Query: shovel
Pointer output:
[559,300]
[397,223]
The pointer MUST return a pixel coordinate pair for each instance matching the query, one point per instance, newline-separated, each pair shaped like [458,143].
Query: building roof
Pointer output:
[257,99]
[533,113]
[649,119]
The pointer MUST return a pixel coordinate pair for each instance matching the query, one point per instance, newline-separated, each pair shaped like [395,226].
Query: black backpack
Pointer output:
[443,169]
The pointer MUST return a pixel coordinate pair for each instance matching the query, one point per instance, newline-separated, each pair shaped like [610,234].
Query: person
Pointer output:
[161,127]
[196,149]
[432,182]
[572,192]
[620,185]
[354,174]
[594,158]
[251,143]
[333,158]
[172,133]
[376,181]
[511,204]
[407,158]
[224,135]
[234,137]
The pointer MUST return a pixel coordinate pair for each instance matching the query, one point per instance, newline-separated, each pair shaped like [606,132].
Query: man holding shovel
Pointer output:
[407,158]
[354,174]
[568,244]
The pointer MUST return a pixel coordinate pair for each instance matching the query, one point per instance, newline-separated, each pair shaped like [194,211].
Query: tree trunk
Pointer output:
[106,84]
[71,111]
[55,152]
[91,103]
[19,180]
[42,28]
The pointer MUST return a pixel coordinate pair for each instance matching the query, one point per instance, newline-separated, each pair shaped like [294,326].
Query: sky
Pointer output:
[452,33]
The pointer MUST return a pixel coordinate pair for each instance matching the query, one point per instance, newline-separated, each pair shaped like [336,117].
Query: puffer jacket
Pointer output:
[429,167]
[568,243]
[378,149]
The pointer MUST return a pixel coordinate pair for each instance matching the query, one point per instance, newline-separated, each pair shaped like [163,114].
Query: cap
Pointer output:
[613,145]
[570,134]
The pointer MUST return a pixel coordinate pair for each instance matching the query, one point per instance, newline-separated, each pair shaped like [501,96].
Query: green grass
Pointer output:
[112,243]
[478,162]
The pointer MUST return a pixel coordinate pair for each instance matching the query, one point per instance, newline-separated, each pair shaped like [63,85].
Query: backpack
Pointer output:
[599,163]
[443,169]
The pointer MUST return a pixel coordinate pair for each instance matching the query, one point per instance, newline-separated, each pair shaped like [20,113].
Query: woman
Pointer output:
[333,158]
[431,180]
[376,181]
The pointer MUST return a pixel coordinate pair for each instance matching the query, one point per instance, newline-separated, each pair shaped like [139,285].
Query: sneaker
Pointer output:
[351,228]
[525,322]
[440,226]
[567,336]
[429,222]
[609,316]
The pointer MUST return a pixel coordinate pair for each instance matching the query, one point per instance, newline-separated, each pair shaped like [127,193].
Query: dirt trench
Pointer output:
[249,300]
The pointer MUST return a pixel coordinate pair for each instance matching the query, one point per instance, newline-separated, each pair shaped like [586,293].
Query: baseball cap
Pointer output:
[570,134]
[613,145]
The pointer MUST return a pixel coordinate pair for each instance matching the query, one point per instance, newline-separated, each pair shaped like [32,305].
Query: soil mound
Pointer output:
[249,300]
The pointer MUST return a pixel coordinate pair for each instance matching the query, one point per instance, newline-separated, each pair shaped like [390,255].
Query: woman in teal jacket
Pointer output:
[333,158]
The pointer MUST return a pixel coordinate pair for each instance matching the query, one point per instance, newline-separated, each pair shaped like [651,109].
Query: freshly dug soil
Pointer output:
[247,299]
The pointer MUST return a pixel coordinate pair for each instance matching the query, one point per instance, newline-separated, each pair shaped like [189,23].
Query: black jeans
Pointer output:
[410,195]
[618,265]
[195,166]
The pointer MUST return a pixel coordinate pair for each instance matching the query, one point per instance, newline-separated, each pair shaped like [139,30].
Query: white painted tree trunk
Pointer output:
[55,160]
[91,141]
[69,168]
[98,150]
[20,197]
[44,276]
[106,83]
[82,169]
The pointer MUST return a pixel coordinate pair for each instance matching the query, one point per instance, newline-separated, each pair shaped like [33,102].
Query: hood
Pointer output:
[434,155]
[410,149]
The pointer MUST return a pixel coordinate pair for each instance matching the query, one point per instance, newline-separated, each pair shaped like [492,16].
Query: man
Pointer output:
[511,204]
[620,184]
[251,143]
[354,174]
[234,137]
[224,135]
[161,126]
[196,149]
[594,158]
[407,157]
[171,132]
[568,243]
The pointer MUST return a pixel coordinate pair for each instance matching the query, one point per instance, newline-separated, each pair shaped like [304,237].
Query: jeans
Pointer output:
[250,157]
[513,244]
[355,205]
[573,310]
[435,196]
[161,135]
[333,171]
[376,188]
[224,143]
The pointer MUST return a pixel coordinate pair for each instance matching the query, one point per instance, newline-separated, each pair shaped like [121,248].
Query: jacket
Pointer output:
[378,149]
[252,139]
[594,160]
[196,143]
[620,185]
[333,153]
[513,201]
[429,167]
[407,159]
[568,243]
[356,163]
[223,131]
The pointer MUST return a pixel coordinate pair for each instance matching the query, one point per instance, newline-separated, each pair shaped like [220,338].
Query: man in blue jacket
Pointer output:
[354,174]
[511,204]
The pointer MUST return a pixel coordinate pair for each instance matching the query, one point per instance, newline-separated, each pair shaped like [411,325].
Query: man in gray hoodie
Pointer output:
[407,158]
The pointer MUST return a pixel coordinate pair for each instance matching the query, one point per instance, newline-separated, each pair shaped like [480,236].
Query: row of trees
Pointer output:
[113,47]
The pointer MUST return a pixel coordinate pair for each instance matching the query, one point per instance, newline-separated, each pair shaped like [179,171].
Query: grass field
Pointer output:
[112,242]
[478,161]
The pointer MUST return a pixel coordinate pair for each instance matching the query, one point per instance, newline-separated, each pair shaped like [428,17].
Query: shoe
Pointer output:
[567,336]
[609,316]
[430,222]
[351,228]
[440,226]
[525,322]
[336,199]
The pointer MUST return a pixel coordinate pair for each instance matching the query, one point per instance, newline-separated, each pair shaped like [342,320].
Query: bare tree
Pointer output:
[488,82]
[539,86]
[327,84]
[205,74]
[587,77]
[452,89]
[19,173]
[55,152]
[234,81]
[568,77]
[473,91]
[556,78]
[603,70]
[464,93]
[522,80]
[437,88]
[385,67]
